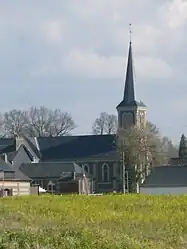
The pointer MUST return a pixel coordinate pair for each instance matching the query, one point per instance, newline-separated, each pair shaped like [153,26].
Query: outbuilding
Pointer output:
[166,180]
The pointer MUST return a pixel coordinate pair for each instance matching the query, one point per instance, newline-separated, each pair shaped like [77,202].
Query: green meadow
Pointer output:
[93,222]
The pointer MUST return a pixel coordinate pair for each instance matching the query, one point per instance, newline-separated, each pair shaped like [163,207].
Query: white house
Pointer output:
[166,180]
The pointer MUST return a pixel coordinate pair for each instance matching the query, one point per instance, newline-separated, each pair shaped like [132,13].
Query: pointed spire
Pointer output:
[129,95]
[129,92]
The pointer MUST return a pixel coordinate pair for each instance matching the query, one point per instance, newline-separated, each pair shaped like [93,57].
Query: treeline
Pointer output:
[43,121]
[36,121]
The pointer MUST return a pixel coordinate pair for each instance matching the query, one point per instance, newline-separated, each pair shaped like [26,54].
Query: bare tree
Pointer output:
[134,146]
[152,129]
[48,122]
[2,126]
[105,124]
[162,147]
[39,121]
[61,123]
[14,122]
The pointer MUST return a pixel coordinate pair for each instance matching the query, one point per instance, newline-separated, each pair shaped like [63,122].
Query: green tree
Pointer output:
[183,146]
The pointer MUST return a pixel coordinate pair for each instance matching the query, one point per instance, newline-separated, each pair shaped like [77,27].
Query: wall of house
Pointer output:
[18,188]
[164,190]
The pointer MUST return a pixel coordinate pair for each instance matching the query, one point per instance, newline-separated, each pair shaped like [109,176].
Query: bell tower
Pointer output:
[130,111]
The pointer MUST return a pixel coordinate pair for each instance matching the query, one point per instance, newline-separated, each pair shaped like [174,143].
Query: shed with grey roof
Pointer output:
[166,180]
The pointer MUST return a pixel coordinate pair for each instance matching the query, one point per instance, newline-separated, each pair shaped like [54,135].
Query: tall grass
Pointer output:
[111,221]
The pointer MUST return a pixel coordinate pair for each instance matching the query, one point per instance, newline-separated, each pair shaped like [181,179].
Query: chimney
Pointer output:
[19,141]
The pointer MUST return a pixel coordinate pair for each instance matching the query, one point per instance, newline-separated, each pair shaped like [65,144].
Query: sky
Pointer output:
[72,55]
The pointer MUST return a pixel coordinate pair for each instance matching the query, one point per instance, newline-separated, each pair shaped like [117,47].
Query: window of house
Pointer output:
[105,173]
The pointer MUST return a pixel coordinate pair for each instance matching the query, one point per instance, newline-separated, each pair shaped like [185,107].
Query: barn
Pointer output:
[166,180]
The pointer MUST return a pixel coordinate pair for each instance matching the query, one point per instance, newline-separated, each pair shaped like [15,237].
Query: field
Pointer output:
[99,222]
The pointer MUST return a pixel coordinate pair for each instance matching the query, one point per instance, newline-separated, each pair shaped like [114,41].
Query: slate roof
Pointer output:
[74,147]
[7,145]
[12,155]
[110,155]
[133,103]
[167,176]
[18,175]
[49,169]
[129,92]
[32,144]
[4,166]
[21,176]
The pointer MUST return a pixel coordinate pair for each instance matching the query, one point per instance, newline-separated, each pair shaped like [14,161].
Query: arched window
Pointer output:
[105,172]
[86,169]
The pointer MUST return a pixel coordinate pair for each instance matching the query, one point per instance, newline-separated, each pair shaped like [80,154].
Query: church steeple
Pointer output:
[130,111]
[129,95]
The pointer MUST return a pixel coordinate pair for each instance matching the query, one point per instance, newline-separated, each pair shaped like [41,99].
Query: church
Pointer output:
[42,159]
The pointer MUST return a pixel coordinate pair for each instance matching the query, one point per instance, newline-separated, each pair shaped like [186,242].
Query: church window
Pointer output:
[86,168]
[105,172]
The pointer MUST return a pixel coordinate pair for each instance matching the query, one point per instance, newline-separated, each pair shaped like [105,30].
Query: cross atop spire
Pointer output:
[130,32]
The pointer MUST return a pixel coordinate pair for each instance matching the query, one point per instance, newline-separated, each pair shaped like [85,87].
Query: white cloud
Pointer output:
[53,31]
[175,13]
[153,67]
[89,64]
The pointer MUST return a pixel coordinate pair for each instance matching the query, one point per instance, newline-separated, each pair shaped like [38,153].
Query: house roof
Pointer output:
[31,141]
[12,155]
[49,169]
[18,175]
[21,176]
[167,176]
[7,145]
[74,147]
[4,166]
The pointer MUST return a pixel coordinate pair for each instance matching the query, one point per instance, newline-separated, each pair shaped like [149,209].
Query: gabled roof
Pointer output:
[31,141]
[74,147]
[167,176]
[12,155]
[49,169]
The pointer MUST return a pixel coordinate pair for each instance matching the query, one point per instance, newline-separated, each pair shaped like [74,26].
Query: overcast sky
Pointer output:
[71,54]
